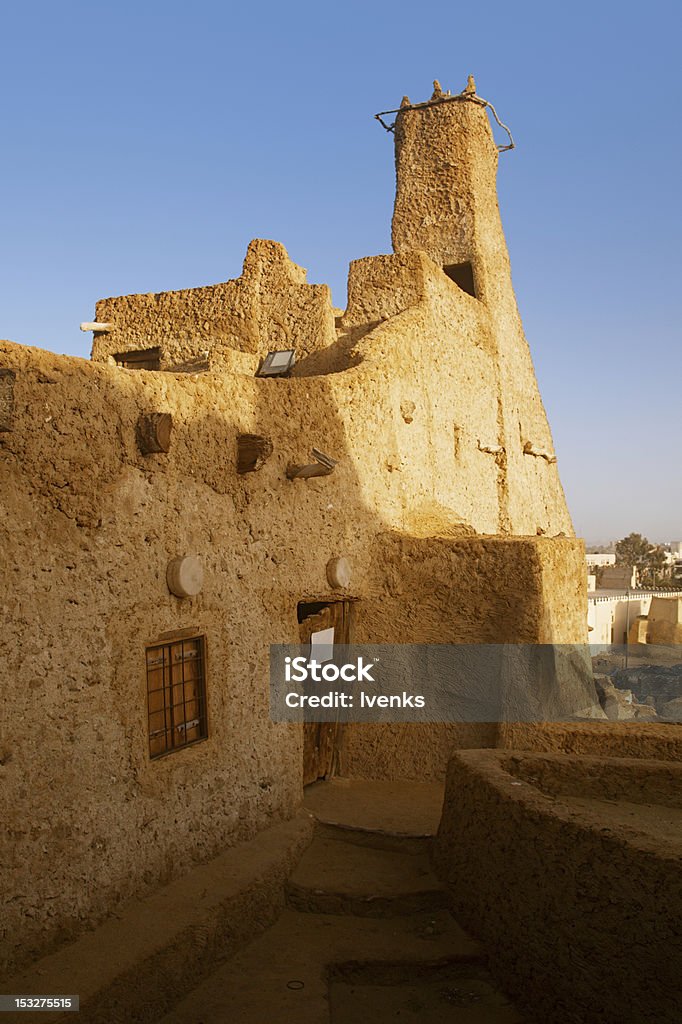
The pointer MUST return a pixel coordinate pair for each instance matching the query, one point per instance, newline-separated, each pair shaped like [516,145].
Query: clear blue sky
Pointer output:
[145,144]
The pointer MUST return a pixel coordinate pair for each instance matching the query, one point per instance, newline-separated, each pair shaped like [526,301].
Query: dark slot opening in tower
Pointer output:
[463,275]
[140,359]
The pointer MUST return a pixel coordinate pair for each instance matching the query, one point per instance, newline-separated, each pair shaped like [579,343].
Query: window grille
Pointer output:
[176,694]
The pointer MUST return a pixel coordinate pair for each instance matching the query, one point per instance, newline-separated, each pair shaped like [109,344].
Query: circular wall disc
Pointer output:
[339,573]
[185,576]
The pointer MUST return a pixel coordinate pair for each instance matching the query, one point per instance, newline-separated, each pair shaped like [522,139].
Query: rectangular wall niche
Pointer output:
[140,359]
[463,275]
[176,694]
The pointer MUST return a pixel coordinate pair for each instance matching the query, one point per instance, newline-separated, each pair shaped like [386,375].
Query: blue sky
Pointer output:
[145,144]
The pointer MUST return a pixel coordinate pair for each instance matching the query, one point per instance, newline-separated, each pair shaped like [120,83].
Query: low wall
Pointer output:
[580,915]
[650,740]
[139,964]
[270,306]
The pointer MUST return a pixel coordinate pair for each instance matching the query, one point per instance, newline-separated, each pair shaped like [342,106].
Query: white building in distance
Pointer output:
[611,614]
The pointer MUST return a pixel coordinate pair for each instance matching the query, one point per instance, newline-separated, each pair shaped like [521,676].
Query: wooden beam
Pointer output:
[154,432]
[252,452]
[93,325]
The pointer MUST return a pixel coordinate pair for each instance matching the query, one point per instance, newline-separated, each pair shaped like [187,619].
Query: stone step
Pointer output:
[449,993]
[335,877]
[284,974]
[375,838]
[151,952]
[401,815]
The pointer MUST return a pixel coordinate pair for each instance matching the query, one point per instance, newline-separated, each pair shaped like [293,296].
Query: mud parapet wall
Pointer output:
[645,740]
[269,307]
[567,868]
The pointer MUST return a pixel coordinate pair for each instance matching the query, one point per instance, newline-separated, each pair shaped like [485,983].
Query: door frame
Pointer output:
[324,734]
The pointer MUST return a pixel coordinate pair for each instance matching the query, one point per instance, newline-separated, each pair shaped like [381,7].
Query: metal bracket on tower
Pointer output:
[467,95]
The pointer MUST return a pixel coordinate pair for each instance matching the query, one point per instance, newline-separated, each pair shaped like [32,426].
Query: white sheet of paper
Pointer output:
[322,645]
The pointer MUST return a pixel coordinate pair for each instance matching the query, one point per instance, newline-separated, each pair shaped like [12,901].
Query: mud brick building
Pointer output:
[157,535]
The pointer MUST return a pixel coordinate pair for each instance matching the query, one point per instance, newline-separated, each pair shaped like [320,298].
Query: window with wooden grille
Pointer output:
[176,694]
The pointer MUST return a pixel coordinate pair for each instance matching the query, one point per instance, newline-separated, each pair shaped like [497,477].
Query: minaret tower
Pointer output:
[446,195]
[446,206]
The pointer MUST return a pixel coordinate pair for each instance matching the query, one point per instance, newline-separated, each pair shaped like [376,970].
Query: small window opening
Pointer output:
[176,694]
[463,275]
[140,359]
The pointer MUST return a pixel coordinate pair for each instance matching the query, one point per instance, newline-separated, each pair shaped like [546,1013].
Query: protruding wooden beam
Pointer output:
[490,449]
[94,325]
[323,466]
[154,432]
[253,451]
[539,453]
[7,379]
[306,472]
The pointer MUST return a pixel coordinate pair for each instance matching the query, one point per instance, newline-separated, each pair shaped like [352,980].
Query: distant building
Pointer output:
[664,625]
[611,614]
[601,558]
[673,556]
[618,577]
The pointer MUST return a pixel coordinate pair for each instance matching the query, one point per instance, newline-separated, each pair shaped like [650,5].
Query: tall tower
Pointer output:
[446,206]
[446,195]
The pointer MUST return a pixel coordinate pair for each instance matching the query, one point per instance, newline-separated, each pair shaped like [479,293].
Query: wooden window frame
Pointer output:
[177,709]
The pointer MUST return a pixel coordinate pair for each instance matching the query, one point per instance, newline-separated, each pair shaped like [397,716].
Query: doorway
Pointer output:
[322,740]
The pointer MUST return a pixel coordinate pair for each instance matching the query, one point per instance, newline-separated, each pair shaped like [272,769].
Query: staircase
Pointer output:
[366,931]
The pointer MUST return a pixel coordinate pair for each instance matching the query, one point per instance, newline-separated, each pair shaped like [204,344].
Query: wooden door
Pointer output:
[321,739]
